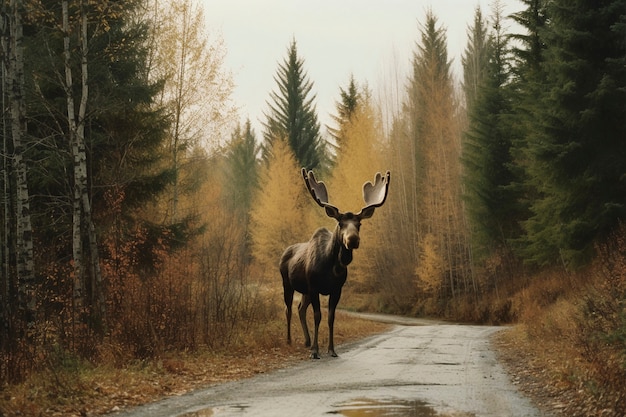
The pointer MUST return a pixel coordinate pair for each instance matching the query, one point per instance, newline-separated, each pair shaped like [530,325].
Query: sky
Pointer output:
[373,40]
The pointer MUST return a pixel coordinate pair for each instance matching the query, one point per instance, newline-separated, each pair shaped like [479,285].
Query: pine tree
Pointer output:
[241,171]
[576,156]
[292,114]
[528,83]
[487,151]
[346,107]
[475,59]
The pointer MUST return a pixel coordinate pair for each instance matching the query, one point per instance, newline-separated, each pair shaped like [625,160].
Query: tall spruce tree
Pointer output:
[475,59]
[346,106]
[528,82]
[292,114]
[577,153]
[241,171]
[491,203]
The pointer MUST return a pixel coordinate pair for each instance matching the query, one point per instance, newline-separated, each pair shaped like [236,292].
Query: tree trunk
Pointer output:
[77,243]
[24,239]
[97,293]
[82,224]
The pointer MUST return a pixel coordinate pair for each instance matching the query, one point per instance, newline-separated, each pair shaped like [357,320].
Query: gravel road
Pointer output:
[418,368]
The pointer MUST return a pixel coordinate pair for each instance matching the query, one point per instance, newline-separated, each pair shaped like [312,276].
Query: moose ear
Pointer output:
[332,211]
[367,212]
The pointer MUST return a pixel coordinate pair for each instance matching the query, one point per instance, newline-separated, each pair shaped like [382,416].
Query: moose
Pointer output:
[320,266]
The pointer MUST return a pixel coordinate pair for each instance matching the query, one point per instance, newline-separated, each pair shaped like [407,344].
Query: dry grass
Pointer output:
[569,350]
[73,388]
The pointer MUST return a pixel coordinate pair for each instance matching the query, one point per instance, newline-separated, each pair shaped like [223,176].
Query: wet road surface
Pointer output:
[418,368]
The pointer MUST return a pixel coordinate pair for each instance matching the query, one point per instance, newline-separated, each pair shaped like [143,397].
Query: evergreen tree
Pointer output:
[346,107]
[241,171]
[576,155]
[475,59]
[528,83]
[491,203]
[292,114]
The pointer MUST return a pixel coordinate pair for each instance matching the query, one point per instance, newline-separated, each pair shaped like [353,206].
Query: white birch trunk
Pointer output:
[81,169]
[82,223]
[24,240]
[77,246]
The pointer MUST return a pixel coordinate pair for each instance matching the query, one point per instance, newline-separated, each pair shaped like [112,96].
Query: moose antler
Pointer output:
[375,194]
[319,192]
[317,189]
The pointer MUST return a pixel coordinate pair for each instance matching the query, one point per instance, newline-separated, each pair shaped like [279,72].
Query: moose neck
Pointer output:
[342,254]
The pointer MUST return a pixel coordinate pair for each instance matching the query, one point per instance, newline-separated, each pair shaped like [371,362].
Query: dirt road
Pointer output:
[419,368]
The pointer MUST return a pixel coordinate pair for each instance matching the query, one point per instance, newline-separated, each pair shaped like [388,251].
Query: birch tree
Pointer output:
[21,274]
[86,263]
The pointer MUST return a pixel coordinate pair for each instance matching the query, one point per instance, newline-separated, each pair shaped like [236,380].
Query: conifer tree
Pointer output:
[487,151]
[475,59]
[576,155]
[346,107]
[292,114]
[528,83]
[241,171]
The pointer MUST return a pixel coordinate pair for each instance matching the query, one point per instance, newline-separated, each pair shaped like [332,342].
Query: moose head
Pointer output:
[349,223]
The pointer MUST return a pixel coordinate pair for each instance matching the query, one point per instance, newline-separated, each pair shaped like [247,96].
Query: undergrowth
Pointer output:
[574,325]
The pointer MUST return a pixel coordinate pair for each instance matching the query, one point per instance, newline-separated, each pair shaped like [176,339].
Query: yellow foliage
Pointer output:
[359,159]
[429,270]
[281,213]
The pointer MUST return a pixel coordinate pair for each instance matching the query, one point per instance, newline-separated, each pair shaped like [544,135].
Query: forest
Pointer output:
[140,216]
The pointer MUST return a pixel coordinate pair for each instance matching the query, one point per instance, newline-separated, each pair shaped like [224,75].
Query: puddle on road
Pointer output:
[393,407]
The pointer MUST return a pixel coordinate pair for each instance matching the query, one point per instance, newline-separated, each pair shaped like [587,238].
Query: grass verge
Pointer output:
[74,388]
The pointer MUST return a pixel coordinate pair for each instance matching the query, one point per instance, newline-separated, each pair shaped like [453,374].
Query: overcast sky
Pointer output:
[335,38]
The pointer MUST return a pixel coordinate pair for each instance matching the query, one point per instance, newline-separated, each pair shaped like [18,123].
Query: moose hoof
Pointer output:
[315,355]
[332,353]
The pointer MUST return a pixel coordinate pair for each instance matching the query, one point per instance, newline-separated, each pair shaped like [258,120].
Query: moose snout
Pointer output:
[352,241]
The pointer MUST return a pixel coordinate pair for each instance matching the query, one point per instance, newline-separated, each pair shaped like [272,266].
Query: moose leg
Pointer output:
[288,294]
[302,307]
[317,315]
[332,306]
